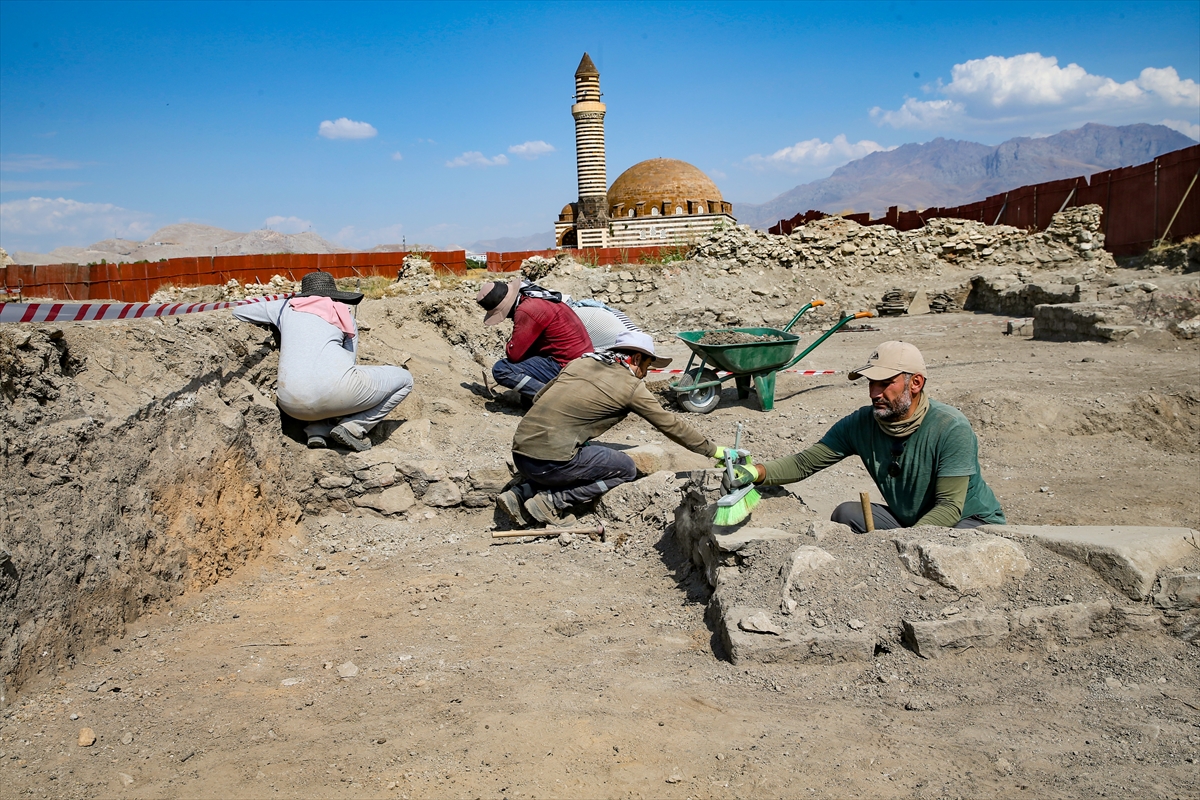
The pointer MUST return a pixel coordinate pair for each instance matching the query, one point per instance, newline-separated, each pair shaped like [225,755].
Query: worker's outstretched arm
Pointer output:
[790,469]
[674,427]
[951,495]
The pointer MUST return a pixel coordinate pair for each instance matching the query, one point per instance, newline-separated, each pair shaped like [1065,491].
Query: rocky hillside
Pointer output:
[947,172]
[184,240]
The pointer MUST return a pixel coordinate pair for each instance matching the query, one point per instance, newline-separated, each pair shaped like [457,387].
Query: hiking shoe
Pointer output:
[541,507]
[317,442]
[342,435]
[512,504]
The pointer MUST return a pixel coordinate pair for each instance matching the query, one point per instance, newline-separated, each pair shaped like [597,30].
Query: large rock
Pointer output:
[489,480]
[964,563]
[1178,589]
[1073,621]
[800,646]
[393,500]
[442,494]
[717,551]
[933,638]
[651,499]
[370,458]
[1126,557]
[648,458]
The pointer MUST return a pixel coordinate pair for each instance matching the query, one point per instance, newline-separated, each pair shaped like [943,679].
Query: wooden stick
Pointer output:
[868,517]
[593,530]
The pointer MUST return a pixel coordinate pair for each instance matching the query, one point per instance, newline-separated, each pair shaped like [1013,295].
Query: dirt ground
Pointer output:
[362,655]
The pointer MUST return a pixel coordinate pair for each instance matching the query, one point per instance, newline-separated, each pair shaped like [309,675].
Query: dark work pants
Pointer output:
[528,376]
[851,514]
[592,472]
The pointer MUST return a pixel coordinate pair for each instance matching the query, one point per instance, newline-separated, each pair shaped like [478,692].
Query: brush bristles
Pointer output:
[732,515]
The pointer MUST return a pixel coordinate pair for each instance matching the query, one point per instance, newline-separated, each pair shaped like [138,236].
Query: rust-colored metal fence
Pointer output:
[1142,204]
[136,282]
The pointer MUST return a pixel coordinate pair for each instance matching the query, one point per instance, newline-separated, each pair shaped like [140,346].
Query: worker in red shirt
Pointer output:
[547,334]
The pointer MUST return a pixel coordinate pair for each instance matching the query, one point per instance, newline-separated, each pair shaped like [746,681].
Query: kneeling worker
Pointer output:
[318,380]
[552,446]
[922,454]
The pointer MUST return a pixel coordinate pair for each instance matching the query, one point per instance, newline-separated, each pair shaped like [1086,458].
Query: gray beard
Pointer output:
[896,409]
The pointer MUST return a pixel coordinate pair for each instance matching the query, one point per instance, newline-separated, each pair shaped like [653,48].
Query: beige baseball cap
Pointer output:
[889,360]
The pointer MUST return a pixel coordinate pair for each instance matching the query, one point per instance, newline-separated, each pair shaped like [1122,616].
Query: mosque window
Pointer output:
[654,211]
[632,211]
[678,209]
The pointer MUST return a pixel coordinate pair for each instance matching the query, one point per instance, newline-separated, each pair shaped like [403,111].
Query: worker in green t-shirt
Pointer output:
[922,454]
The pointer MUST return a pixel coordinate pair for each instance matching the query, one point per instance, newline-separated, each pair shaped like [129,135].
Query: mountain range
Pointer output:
[948,172]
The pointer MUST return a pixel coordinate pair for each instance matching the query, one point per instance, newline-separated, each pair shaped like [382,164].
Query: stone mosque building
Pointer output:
[655,202]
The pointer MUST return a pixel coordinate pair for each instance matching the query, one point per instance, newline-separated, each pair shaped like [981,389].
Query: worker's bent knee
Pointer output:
[850,514]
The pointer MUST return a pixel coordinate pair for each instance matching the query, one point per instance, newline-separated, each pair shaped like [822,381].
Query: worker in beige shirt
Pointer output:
[552,447]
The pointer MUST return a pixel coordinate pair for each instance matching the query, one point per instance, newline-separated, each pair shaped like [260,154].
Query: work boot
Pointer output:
[317,442]
[541,507]
[512,503]
[344,436]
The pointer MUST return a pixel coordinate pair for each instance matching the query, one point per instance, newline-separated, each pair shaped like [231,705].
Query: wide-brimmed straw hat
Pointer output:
[639,343]
[497,299]
[320,284]
[889,360]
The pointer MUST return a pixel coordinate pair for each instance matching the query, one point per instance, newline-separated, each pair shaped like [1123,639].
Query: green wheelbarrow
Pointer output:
[699,388]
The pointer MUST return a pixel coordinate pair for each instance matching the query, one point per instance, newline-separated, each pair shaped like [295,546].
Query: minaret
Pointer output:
[591,221]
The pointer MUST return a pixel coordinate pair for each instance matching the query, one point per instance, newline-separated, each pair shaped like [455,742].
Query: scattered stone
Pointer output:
[126,778]
[759,622]
[443,494]
[291,681]
[87,737]
[963,563]
[856,624]
[127,738]
[393,500]
[347,670]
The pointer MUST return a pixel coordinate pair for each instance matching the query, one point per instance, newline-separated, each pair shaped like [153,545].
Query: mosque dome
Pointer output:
[662,185]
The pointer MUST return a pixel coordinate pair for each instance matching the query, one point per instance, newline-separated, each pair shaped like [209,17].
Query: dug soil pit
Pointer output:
[228,613]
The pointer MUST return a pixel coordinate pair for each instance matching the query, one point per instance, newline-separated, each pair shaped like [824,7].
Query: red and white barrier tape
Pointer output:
[96,312]
[722,374]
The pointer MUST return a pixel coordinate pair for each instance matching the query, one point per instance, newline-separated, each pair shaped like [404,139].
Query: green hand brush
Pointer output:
[737,505]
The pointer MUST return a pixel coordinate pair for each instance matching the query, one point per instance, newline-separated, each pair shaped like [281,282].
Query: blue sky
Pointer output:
[450,122]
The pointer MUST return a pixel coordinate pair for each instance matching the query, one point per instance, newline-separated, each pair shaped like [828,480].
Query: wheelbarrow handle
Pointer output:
[864,314]
[800,313]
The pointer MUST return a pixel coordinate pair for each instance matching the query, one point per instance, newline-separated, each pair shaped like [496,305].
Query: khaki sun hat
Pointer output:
[497,299]
[889,360]
[639,343]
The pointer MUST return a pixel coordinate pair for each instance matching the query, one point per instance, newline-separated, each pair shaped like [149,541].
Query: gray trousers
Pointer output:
[852,514]
[360,400]
[592,472]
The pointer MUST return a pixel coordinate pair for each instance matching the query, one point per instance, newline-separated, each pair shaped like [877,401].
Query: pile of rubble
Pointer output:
[835,243]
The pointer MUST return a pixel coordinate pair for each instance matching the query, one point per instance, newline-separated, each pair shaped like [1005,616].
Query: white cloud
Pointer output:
[397,156]
[35,163]
[474,158]
[343,128]
[43,223]
[997,90]
[288,224]
[531,150]
[1189,129]
[39,186]
[814,154]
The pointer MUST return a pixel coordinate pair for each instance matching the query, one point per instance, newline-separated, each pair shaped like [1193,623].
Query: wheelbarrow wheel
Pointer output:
[699,401]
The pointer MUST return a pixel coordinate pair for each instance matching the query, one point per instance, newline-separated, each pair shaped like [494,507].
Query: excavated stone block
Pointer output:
[1075,621]
[655,495]
[1178,590]
[1127,557]
[428,471]
[965,563]
[933,638]
[442,494]
[801,646]
[393,500]
[376,455]
[489,479]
